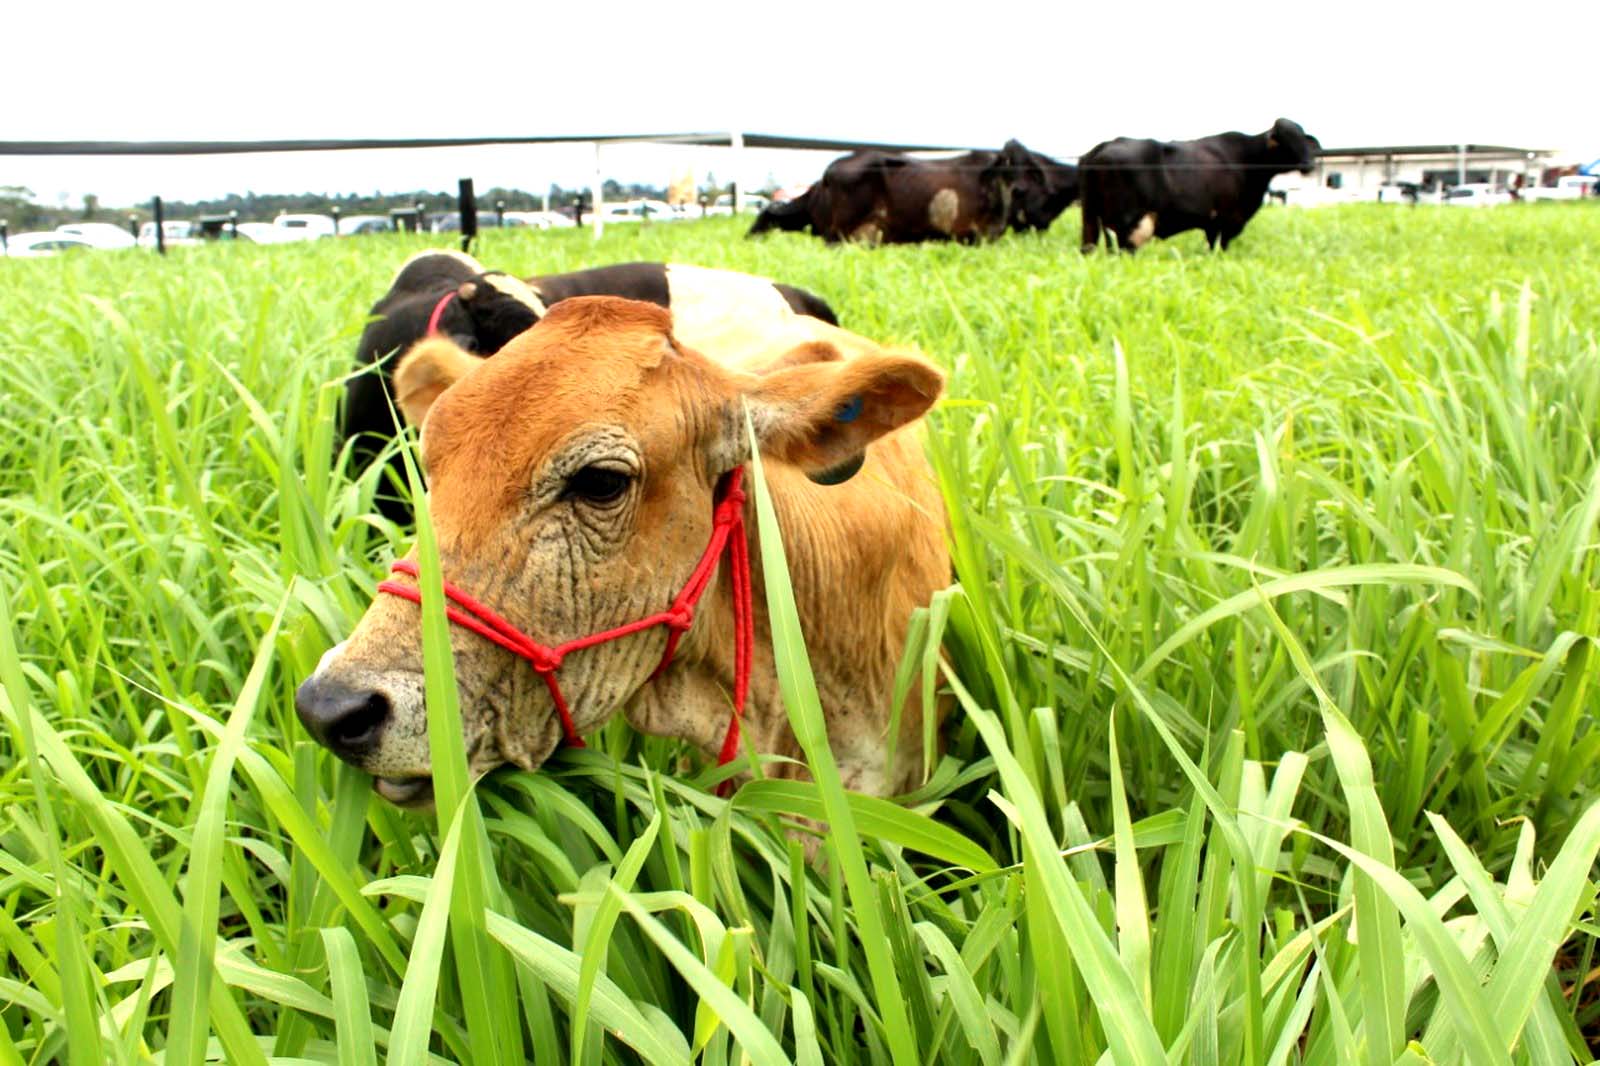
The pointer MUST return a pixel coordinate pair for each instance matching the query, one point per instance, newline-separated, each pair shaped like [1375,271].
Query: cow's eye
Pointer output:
[598,484]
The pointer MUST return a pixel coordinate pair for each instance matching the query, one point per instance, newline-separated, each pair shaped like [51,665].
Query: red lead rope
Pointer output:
[727,531]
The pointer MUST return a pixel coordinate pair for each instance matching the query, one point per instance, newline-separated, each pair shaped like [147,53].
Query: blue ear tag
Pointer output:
[850,411]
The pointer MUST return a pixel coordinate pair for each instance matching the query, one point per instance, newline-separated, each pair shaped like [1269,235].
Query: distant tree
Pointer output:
[20,212]
[91,206]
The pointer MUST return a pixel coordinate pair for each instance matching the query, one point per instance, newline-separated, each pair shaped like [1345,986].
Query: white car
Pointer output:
[753,204]
[540,219]
[1567,187]
[260,233]
[304,227]
[99,234]
[37,245]
[353,224]
[1397,194]
[640,211]
[173,231]
[1475,194]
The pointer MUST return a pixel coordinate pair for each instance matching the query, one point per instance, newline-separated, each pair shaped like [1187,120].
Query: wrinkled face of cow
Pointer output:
[1293,146]
[571,483]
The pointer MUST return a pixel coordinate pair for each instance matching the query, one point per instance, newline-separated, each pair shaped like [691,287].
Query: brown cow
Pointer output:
[571,483]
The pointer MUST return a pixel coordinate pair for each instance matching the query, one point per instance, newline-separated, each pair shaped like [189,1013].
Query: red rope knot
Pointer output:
[680,617]
[731,509]
[543,660]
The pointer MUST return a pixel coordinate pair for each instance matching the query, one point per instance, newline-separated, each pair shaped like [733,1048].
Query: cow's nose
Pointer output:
[346,720]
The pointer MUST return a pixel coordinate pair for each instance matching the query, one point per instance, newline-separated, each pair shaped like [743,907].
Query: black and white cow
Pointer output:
[878,196]
[1136,189]
[452,294]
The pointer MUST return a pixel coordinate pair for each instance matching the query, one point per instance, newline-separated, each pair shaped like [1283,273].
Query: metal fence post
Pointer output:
[160,219]
[598,198]
[467,203]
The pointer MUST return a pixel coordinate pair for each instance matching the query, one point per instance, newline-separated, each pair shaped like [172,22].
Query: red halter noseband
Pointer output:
[727,530]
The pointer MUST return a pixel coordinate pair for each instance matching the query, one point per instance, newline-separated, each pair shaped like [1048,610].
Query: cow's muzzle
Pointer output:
[347,720]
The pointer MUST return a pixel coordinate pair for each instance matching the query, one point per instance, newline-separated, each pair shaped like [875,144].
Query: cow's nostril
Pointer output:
[347,721]
[356,731]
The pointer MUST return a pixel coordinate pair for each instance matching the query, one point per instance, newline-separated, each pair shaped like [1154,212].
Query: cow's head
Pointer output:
[1292,146]
[571,483]
[500,306]
[1037,188]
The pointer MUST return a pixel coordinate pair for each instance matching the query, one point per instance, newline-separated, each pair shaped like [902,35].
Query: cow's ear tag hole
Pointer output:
[848,411]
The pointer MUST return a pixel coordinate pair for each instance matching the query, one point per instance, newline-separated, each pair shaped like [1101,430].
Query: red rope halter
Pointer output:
[727,531]
[438,312]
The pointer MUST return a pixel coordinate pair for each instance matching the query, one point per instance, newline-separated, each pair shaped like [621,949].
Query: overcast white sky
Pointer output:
[1055,75]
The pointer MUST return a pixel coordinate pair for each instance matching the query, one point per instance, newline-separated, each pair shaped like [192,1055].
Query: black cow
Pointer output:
[881,196]
[1041,188]
[657,282]
[1139,189]
[482,310]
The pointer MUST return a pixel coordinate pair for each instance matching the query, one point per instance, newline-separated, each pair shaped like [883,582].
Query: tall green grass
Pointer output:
[1270,648]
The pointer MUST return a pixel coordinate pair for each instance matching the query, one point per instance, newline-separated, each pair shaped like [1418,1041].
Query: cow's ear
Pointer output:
[821,414]
[431,366]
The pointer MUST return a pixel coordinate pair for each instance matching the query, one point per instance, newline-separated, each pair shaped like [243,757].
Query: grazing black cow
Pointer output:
[1138,189]
[451,293]
[887,197]
[1041,188]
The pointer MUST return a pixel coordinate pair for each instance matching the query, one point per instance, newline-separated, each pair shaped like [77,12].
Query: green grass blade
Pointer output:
[1133,1039]
[755,1041]
[79,1006]
[408,1040]
[874,817]
[805,715]
[599,936]
[197,942]
[353,1011]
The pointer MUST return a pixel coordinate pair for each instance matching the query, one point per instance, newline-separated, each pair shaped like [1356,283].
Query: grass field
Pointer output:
[1272,644]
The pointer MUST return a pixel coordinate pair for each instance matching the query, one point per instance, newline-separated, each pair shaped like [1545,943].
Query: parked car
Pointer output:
[1475,194]
[260,233]
[1567,187]
[450,221]
[753,204]
[173,231]
[36,245]
[355,224]
[99,234]
[639,211]
[541,219]
[304,227]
